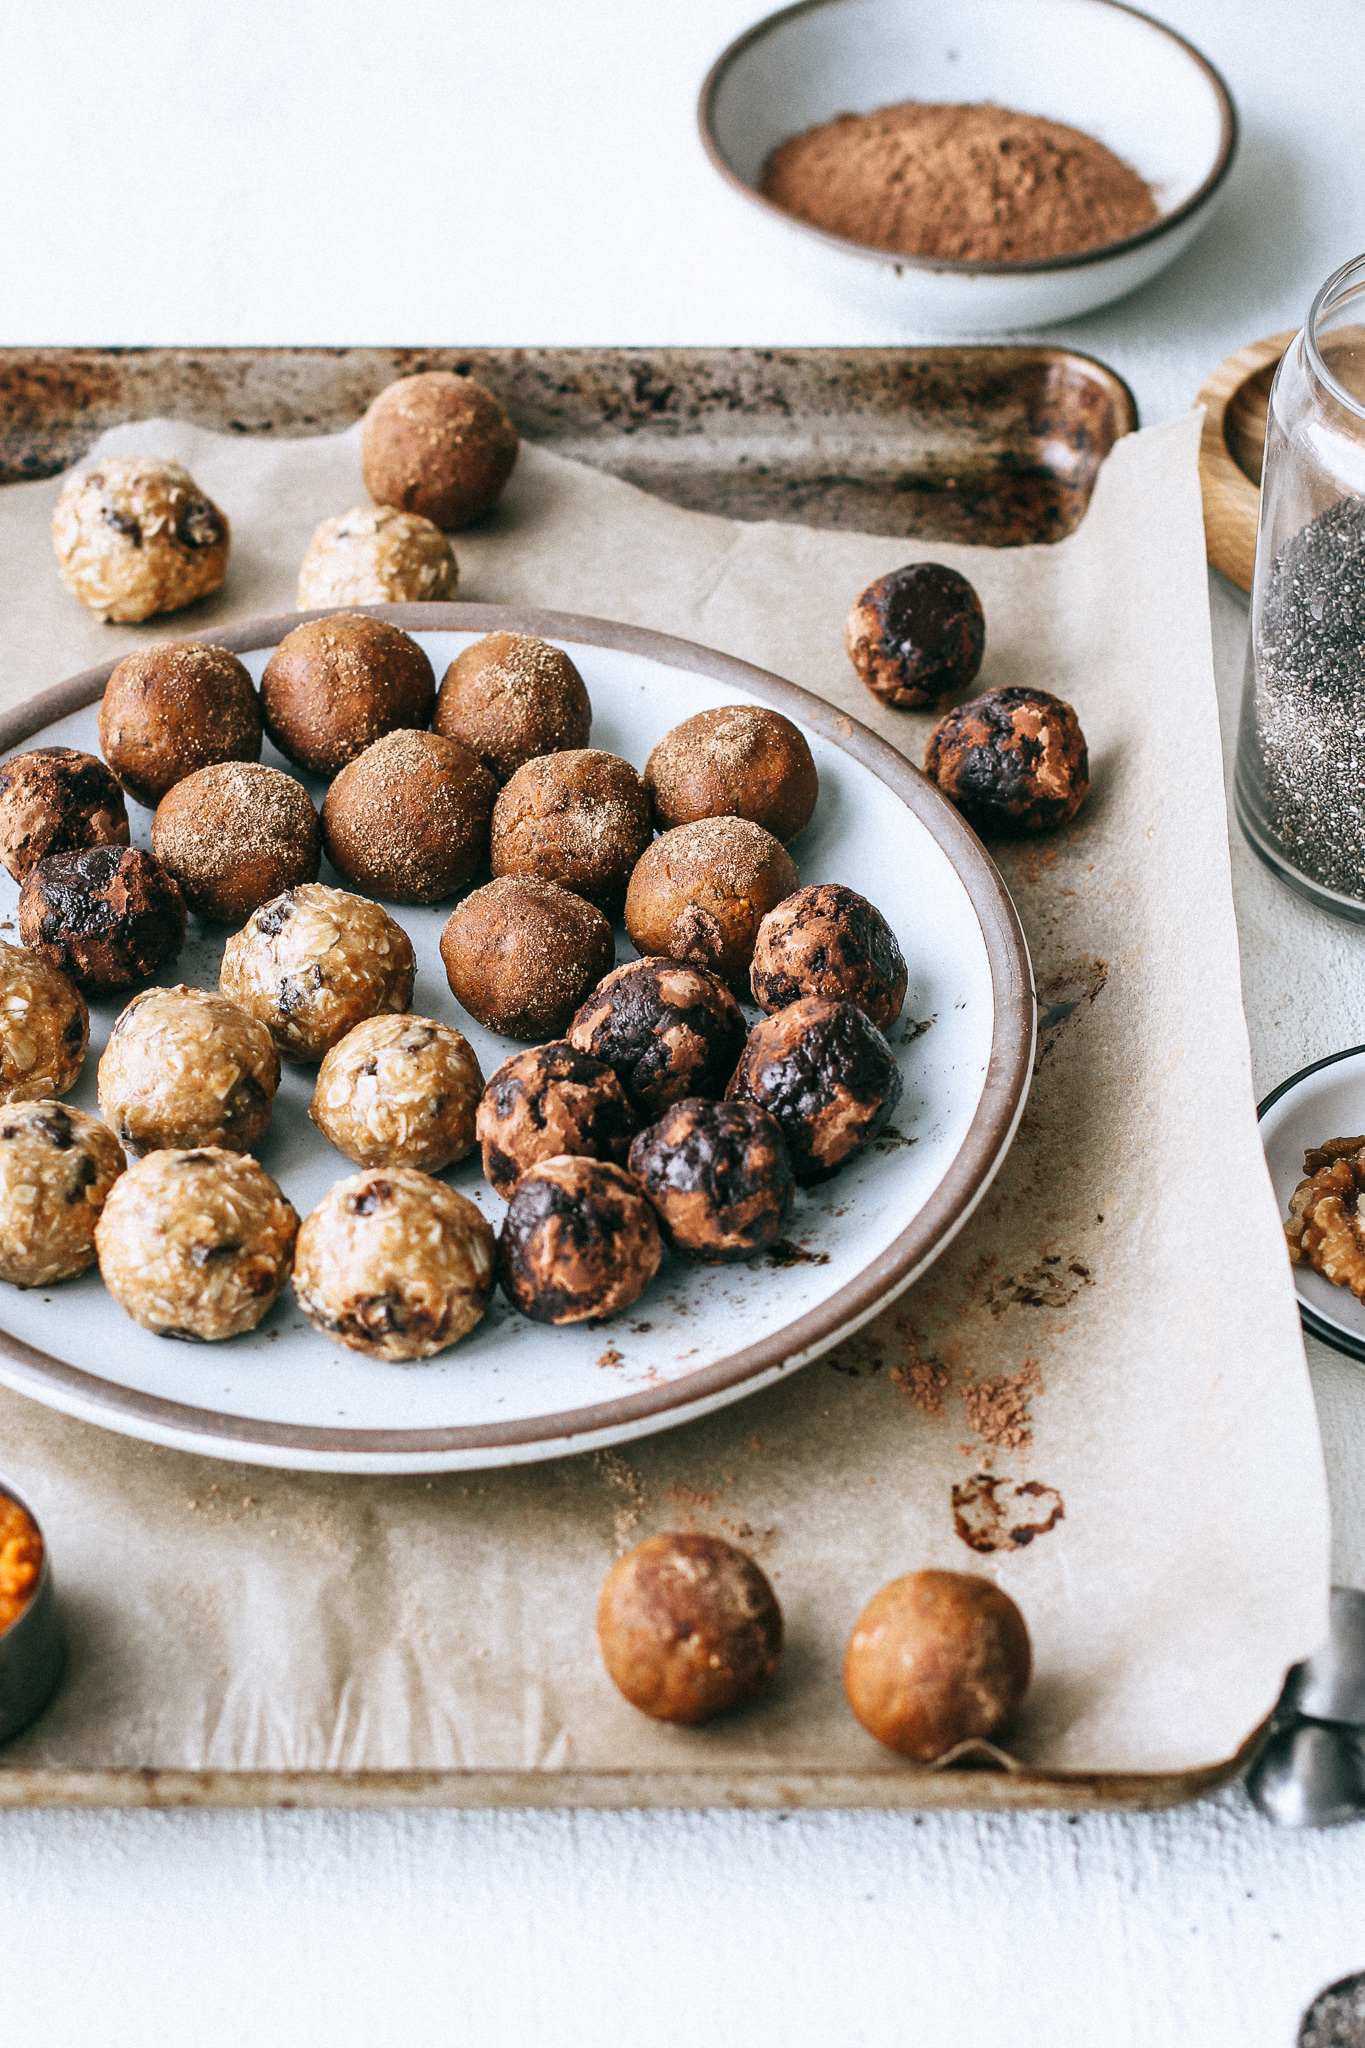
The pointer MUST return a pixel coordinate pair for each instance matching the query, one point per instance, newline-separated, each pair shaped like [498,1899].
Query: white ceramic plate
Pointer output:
[1101,67]
[514,1390]
[1326,1100]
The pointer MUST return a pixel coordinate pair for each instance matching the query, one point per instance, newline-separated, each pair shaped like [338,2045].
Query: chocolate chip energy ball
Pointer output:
[377,555]
[665,1031]
[511,697]
[827,1075]
[521,954]
[580,818]
[56,1169]
[917,634]
[44,1028]
[57,800]
[336,685]
[689,1627]
[185,1068]
[1012,761]
[700,893]
[935,1659]
[135,536]
[170,709]
[739,762]
[198,1245]
[394,1264]
[313,964]
[399,1091]
[549,1102]
[108,917]
[236,835]
[829,941]
[579,1242]
[437,444]
[409,818]
[719,1178]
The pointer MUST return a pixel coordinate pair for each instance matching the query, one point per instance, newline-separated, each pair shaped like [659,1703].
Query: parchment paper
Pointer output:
[1128,1261]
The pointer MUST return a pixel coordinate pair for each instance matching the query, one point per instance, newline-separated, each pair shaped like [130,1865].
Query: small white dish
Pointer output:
[1326,1100]
[1097,65]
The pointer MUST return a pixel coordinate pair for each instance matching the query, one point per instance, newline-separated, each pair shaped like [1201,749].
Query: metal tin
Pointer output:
[31,1648]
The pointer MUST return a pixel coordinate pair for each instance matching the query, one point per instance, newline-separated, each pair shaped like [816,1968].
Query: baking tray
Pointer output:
[988,446]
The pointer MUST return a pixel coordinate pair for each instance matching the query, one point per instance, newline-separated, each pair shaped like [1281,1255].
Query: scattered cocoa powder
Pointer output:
[997,1408]
[973,184]
[925,1380]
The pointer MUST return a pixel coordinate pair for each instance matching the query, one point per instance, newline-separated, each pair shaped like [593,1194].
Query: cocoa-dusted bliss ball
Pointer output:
[719,1178]
[135,535]
[551,1101]
[57,1166]
[829,941]
[57,800]
[234,836]
[184,1067]
[44,1028]
[437,444]
[689,1627]
[829,1078]
[579,1242]
[579,818]
[741,761]
[409,817]
[935,1659]
[175,707]
[700,893]
[511,697]
[109,917]
[1012,761]
[665,1030]
[521,954]
[336,685]
[916,635]
[399,1091]
[314,963]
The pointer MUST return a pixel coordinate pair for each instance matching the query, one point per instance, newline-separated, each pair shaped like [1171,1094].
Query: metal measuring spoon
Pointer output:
[1330,1685]
[1309,1776]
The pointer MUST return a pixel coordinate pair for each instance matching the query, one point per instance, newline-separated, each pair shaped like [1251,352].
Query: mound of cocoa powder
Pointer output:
[967,183]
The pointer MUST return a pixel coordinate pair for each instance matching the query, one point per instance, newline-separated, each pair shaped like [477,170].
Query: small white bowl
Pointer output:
[1099,66]
[1326,1100]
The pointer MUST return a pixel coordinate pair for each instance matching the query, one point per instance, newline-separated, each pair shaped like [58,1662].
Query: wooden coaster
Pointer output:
[1230,450]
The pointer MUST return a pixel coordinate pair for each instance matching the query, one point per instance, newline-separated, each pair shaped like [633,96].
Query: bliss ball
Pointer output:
[183,1067]
[170,709]
[57,800]
[521,954]
[719,1178]
[336,685]
[665,1030]
[828,1077]
[916,635]
[236,835]
[437,444]
[700,893]
[1012,761]
[409,818]
[135,535]
[314,963]
[57,1167]
[579,818]
[689,1627]
[44,1028]
[935,1659]
[109,917]
[741,761]
[399,1091]
[579,1242]
[829,941]
[551,1101]
[376,555]
[512,697]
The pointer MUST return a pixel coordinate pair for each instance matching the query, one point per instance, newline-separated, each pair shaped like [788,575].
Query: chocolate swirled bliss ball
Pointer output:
[1012,761]
[170,709]
[719,1178]
[916,635]
[665,1030]
[57,800]
[829,941]
[700,892]
[336,685]
[549,1102]
[828,1077]
[109,917]
[579,1242]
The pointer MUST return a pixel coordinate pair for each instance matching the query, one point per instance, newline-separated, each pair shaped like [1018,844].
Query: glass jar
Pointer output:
[1300,783]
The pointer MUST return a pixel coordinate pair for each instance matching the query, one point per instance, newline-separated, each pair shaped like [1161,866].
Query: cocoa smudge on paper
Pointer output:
[1061,996]
[627,1480]
[991,1512]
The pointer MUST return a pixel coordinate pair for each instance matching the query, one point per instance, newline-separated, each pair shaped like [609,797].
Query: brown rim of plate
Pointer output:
[993,1124]
[1222,163]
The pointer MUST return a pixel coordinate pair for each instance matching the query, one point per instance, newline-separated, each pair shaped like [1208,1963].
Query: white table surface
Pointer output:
[445,171]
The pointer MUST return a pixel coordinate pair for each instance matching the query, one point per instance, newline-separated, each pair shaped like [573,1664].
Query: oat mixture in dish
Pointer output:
[57,1166]
[175,707]
[136,536]
[394,1264]
[580,818]
[579,1242]
[1325,1229]
[437,444]
[742,761]
[44,1028]
[185,1068]
[313,964]
[198,1246]
[688,1627]
[235,835]
[377,555]
[109,917]
[399,1091]
[665,1030]
[512,697]
[829,941]
[700,893]
[521,954]
[827,1075]
[409,817]
[57,800]
[553,1100]
[21,1560]
[336,685]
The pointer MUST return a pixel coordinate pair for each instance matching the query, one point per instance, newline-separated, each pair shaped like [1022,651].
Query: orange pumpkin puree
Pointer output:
[21,1560]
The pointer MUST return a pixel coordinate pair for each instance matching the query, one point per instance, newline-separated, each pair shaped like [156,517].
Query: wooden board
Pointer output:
[1235,398]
